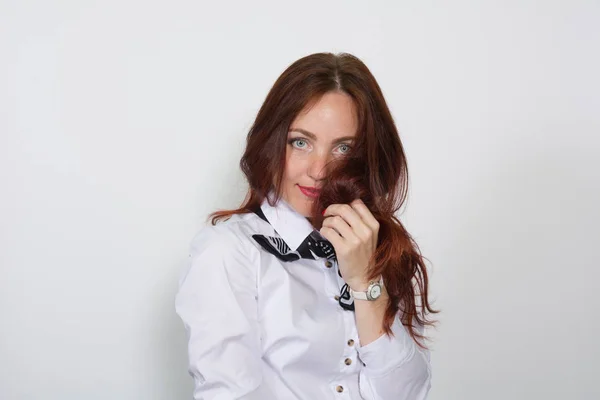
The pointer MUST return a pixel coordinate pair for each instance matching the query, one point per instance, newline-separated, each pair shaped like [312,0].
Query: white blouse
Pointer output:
[261,328]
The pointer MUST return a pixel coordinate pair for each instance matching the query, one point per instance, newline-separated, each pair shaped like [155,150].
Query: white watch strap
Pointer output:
[358,295]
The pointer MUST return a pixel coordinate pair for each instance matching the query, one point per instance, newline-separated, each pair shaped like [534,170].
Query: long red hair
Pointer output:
[374,170]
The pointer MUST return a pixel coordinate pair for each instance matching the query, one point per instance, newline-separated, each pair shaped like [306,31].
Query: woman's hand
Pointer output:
[352,230]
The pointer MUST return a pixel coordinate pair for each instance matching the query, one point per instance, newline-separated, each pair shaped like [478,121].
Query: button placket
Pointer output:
[341,388]
[331,282]
[350,360]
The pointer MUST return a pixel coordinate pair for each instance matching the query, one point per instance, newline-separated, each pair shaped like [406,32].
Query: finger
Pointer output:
[332,235]
[365,214]
[353,218]
[339,224]
[345,211]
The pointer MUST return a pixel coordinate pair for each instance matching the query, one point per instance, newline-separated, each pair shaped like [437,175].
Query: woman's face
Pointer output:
[316,136]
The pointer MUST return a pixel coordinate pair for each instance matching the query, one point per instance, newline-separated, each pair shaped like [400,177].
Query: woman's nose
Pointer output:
[316,169]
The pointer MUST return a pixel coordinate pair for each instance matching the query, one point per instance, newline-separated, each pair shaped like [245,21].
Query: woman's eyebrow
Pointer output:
[314,137]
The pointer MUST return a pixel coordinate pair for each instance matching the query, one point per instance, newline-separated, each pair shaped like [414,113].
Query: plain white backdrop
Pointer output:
[122,124]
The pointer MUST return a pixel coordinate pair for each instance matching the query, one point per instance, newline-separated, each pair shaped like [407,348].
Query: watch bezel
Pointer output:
[369,292]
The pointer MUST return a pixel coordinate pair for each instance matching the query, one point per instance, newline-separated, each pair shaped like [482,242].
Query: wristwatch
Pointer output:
[373,291]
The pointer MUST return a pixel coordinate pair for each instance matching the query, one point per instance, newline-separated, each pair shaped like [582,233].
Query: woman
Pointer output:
[309,289]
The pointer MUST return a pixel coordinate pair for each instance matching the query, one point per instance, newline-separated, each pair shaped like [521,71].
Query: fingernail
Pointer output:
[323,213]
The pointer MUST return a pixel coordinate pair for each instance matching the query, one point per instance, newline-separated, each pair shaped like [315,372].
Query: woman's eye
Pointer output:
[347,148]
[296,141]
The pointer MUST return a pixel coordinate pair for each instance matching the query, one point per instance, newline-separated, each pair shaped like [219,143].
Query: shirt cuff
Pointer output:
[385,353]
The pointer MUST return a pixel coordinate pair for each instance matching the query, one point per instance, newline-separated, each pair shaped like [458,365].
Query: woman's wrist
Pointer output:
[360,285]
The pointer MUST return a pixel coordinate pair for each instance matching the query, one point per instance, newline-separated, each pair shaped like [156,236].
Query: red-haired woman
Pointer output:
[309,290]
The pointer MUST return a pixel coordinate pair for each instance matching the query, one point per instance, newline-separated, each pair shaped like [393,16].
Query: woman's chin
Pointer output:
[305,211]
[302,205]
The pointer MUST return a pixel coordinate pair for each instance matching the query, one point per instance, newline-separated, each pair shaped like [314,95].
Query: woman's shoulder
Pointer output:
[222,254]
[233,234]
[223,248]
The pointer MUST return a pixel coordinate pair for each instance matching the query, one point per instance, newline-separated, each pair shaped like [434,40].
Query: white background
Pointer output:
[122,124]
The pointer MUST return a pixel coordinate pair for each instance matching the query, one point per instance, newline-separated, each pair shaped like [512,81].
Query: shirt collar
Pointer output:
[292,226]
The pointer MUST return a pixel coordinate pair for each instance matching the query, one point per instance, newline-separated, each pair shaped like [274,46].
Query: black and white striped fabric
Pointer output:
[313,247]
[277,247]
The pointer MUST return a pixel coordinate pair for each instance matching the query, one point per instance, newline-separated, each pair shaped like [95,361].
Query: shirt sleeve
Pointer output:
[395,367]
[217,302]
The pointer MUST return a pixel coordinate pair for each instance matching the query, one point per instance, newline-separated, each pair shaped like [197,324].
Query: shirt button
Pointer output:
[348,361]
[350,342]
[339,389]
[328,264]
[336,297]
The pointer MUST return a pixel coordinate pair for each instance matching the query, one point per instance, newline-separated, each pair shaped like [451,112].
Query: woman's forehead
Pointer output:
[332,117]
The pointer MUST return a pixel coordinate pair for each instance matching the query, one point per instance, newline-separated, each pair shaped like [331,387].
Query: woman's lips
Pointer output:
[310,192]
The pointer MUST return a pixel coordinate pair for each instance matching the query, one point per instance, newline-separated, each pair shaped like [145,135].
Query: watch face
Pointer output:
[375,291]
